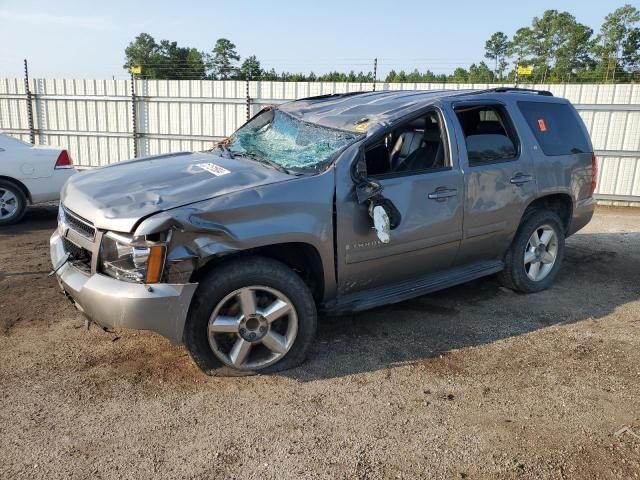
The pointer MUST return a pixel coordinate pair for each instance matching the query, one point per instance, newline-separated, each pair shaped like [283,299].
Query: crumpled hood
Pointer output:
[118,196]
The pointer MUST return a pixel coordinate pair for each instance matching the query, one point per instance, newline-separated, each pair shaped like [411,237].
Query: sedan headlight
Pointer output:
[131,260]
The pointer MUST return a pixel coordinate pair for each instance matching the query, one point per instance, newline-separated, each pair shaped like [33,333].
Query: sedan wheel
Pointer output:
[13,203]
[9,204]
[252,327]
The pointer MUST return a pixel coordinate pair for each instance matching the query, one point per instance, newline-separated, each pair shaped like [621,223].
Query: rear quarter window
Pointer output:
[556,126]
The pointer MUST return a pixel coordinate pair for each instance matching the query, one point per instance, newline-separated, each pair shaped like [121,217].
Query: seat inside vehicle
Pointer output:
[489,137]
[414,147]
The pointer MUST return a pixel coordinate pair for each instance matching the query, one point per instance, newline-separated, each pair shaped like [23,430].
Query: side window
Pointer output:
[417,146]
[556,127]
[488,133]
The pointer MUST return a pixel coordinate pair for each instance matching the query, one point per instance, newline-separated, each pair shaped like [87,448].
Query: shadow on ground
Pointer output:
[599,274]
[37,218]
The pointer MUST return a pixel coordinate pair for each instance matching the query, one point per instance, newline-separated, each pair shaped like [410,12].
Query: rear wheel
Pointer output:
[13,203]
[251,315]
[533,260]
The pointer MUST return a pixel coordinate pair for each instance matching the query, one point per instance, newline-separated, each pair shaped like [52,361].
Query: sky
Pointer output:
[86,39]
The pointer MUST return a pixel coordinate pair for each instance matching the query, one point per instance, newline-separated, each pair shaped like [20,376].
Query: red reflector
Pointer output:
[594,172]
[541,125]
[64,160]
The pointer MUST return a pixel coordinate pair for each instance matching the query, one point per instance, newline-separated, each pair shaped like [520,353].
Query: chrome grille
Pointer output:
[79,224]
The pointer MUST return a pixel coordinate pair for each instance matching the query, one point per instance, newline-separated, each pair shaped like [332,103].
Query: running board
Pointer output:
[399,292]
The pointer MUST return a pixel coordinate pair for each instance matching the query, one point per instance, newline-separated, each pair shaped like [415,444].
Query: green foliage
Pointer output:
[165,60]
[556,45]
[496,49]
[617,46]
[223,60]
[250,69]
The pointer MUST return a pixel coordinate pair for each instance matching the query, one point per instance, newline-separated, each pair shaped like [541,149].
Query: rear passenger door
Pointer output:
[498,176]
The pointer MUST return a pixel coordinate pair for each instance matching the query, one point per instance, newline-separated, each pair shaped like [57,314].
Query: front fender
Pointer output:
[299,211]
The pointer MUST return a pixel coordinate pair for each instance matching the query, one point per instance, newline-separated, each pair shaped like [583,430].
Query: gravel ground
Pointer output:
[471,382]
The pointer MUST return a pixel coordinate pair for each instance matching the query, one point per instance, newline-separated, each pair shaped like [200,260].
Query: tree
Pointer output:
[496,50]
[556,45]
[391,77]
[573,55]
[618,43]
[178,63]
[414,77]
[165,60]
[562,45]
[223,60]
[480,73]
[460,75]
[250,69]
[140,52]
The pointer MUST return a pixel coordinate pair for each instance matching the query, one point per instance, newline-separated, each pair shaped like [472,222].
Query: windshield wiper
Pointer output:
[225,149]
[263,160]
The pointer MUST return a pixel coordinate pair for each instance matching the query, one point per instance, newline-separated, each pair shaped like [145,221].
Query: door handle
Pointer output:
[521,179]
[443,193]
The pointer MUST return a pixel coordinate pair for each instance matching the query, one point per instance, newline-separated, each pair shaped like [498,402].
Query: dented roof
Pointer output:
[366,109]
[360,111]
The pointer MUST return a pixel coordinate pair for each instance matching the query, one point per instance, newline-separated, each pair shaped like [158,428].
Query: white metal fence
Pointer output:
[94,119]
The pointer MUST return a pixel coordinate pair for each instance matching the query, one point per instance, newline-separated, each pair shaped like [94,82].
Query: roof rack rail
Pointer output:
[332,95]
[545,93]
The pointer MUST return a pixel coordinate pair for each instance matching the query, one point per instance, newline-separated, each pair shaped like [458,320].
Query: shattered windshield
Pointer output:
[281,139]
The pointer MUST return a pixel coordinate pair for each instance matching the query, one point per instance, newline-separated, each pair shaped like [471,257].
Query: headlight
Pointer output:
[132,261]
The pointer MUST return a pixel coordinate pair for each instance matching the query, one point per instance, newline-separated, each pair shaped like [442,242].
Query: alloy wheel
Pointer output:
[541,253]
[252,327]
[8,204]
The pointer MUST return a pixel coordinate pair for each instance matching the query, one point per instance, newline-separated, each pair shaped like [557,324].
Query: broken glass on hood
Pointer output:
[279,138]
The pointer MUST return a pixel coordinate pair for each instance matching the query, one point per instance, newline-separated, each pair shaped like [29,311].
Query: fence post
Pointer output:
[248,99]
[133,116]
[375,72]
[32,133]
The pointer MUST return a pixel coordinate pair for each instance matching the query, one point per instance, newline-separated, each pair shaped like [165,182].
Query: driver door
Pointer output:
[427,238]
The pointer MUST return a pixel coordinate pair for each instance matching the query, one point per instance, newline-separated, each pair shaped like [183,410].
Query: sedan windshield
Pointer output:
[278,138]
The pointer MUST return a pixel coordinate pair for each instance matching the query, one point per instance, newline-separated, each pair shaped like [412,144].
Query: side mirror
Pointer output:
[381,223]
[367,190]
[382,211]
[360,171]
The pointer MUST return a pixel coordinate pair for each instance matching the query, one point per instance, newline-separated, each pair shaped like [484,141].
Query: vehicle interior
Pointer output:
[414,147]
[488,134]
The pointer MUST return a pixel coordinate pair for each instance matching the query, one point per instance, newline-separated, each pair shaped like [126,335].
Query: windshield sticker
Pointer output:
[214,169]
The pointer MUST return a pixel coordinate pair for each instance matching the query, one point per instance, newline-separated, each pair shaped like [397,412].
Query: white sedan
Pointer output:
[29,174]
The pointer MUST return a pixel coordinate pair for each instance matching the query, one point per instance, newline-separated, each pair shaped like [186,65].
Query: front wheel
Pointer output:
[251,315]
[533,260]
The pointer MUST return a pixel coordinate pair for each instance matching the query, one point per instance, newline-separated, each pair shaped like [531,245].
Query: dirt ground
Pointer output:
[471,382]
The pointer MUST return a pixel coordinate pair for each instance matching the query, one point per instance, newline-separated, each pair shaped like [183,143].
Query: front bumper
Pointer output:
[111,303]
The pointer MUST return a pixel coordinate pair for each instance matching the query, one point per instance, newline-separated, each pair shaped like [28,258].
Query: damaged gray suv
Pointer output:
[330,204]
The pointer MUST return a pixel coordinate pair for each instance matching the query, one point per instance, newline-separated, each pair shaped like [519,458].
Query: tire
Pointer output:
[13,203]
[517,274]
[217,322]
